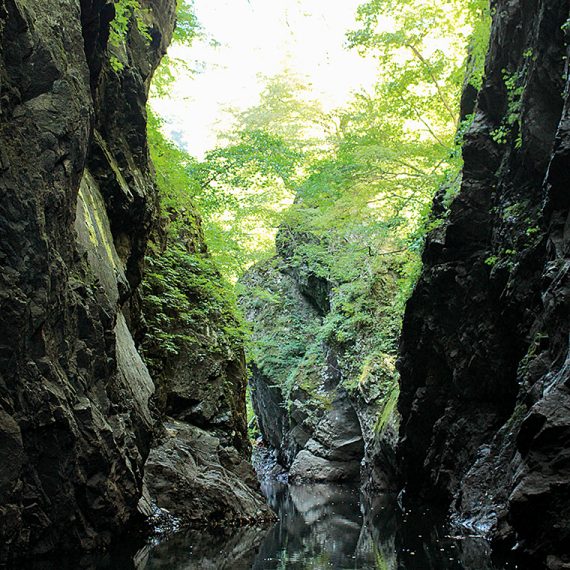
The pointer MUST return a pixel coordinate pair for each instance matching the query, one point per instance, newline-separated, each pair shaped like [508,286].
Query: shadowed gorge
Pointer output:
[284,285]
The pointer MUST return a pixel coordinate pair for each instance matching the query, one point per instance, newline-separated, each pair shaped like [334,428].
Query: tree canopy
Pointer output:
[350,190]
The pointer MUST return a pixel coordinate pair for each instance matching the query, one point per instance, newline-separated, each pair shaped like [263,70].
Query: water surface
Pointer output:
[327,527]
[320,527]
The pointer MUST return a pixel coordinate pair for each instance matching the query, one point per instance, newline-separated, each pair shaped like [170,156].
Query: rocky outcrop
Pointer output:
[199,469]
[199,481]
[326,418]
[484,354]
[307,417]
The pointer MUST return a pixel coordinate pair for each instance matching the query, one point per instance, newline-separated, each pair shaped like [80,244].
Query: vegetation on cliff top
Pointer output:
[188,305]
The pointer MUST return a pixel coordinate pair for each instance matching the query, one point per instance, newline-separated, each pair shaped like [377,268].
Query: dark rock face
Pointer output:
[318,429]
[206,388]
[484,354]
[78,409]
[199,469]
[198,480]
[77,202]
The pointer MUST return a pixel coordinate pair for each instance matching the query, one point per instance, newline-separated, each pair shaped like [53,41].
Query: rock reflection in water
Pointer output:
[230,549]
[233,549]
[320,527]
[332,527]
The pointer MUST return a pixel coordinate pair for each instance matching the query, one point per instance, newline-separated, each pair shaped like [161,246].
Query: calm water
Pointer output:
[320,527]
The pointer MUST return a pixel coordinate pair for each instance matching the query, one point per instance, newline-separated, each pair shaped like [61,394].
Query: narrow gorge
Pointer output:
[336,335]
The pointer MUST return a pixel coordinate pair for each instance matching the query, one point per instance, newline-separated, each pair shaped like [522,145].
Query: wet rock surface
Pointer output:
[484,354]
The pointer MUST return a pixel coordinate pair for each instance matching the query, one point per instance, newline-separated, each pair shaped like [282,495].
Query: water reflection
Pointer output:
[332,527]
[233,549]
[328,527]
[320,527]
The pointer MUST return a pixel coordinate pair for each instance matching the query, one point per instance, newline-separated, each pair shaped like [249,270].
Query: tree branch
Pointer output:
[435,81]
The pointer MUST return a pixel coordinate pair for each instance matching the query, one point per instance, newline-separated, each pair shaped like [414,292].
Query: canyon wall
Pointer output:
[485,377]
[78,201]
[199,469]
[324,407]
[78,411]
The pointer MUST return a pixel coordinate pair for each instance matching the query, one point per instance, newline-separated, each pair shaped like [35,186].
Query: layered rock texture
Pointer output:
[485,389]
[78,202]
[324,409]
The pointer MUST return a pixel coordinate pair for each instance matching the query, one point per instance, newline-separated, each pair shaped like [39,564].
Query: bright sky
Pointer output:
[261,37]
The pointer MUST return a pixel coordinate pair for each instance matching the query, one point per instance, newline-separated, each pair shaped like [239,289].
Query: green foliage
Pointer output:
[187,307]
[349,192]
[500,134]
[285,111]
[284,336]
[252,425]
[173,167]
[421,44]
[479,42]
[243,186]
[529,54]
[187,25]
[514,86]
[187,30]
[363,192]
[126,12]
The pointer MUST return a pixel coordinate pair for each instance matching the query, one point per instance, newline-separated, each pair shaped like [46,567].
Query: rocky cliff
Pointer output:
[78,200]
[199,468]
[485,390]
[78,204]
[324,408]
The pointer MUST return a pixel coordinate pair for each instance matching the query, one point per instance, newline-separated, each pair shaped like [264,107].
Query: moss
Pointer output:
[293,343]
[378,370]
[387,407]
[187,306]
[87,217]
[92,205]
[366,370]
